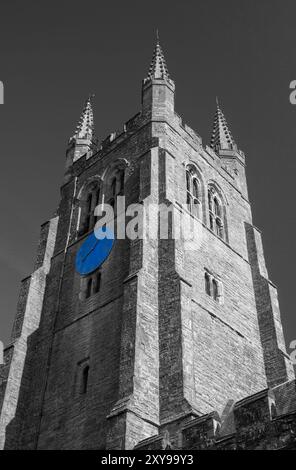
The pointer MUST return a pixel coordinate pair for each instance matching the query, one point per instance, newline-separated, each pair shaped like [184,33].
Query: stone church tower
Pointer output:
[161,347]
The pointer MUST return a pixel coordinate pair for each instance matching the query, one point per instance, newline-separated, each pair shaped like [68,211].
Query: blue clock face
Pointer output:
[94,251]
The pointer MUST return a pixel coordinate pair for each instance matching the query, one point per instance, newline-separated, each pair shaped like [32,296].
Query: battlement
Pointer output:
[132,125]
[257,423]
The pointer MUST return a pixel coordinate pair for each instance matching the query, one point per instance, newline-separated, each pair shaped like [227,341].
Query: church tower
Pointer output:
[161,343]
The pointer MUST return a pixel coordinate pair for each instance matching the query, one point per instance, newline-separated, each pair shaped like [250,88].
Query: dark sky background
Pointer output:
[53,54]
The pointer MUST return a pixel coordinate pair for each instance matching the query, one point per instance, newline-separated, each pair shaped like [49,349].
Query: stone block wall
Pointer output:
[26,323]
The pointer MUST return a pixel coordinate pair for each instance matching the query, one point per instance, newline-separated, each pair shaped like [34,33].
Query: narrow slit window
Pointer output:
[88,288]
[97,282]
[207,284]
[215,289]
[84,379]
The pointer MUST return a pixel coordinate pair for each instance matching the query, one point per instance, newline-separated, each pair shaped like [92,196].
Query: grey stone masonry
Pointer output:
[26,322]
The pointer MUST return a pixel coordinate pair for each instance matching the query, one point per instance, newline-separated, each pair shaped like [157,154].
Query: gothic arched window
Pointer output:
[193,192]
[115,188]
[216,212]
[88,201]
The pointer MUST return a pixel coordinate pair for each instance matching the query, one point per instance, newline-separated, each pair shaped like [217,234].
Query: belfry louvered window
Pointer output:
[216,213]
[88,202]
[116,188]
[193,193]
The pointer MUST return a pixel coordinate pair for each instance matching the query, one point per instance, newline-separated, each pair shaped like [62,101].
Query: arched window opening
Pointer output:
[193,193]
[188,194]
[216,213]
[88,202]
[217,207]
[116,188]
[188,177]
[195,188]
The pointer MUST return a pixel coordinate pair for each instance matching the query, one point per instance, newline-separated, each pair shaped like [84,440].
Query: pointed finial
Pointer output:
[85,126]
[158,67]
[221,136]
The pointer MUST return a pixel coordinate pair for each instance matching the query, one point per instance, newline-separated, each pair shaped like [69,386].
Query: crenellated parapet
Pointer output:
[257,424]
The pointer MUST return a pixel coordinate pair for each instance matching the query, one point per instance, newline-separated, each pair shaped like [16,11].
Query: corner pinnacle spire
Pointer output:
[158,68]
[85,126]
[221,136]
[83,141]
